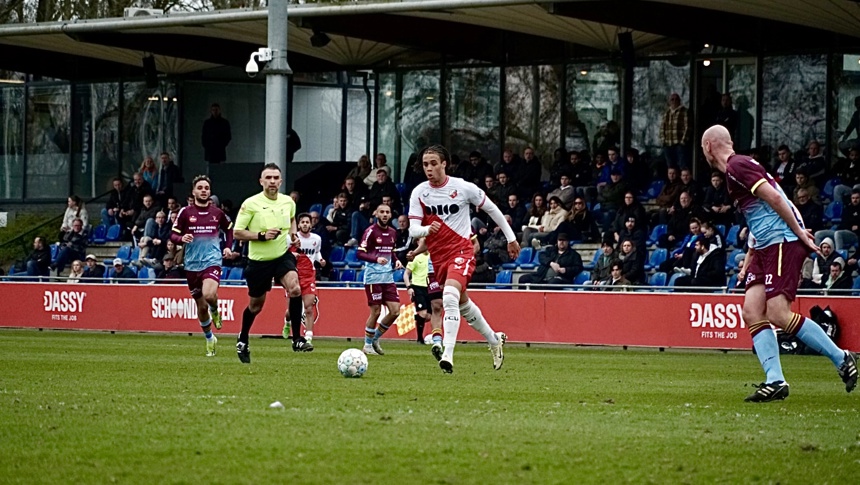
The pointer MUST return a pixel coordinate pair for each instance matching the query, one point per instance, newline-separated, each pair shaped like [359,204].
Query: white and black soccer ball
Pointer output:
[352,363]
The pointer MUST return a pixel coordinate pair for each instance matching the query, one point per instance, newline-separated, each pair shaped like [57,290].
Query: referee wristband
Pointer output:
[261,236]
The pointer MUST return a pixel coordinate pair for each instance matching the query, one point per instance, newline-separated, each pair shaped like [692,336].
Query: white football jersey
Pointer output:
[310,246]
[449,204]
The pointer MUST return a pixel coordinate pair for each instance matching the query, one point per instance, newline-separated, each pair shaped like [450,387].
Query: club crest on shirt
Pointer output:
[379,240]
[454,194]
[459,261]
[192,219]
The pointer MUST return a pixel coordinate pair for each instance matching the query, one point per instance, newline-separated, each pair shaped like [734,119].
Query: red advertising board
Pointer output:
[587,318]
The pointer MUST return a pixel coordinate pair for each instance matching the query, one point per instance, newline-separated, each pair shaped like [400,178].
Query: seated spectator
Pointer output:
[39,261]
[516,210]
[565,192]
[76,273]
[616,278]
[120,272]
[384,187]
[147,211]
[339,219]
[505,187]
[148,171]
[560,166]
[636,172]
[601,272]
[178,253]
[353,190]
[491,189]
[784,169]
[848,172]
[714,239]
[632,263]
[814,164]
[685,255]
[848,231]
[631,208]
[804,183]
[816,270]
[496,246]
[361,170]
[137,190]
[633,233]
[599,176]
[837,279]
[550,221]
[404,240]
[476,170]
[72,247]
[172,207]
[169,270]
[671,191]
[94,271]
[812,213]
[529,174]
[153,244]
[580,177]
[74,210]
[579,224]
[118,208]
[534,215]
[359,222]
[718,206]
[559,267]
[691,186]
[679,221]
[611,198]
[708,271]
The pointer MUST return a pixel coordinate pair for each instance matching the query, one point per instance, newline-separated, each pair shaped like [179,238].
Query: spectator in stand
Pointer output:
[477,168]
[714,239]
[631,232]
[361,170]
[549,222]
[384,187]
[601,272]
[495,245]
[147,211]
[415,173]
[380,163]
[599,176]
[510,164]
[76,273]
[616,278]
[39,261]
[708,271]
[491,188]
[178,252]
[615,162]
[535,214]
[149,171]
[137,191]
[848,172]
[516,210]
[814,164]
[505,187]
[579,225]
[608,135]
[637,173]
[216,136]
[338,229]
[359,222]
[528,178]
[691,186]
[684,256]
[403,241]
[559,267]
[167,176]
[675,133]
[153,244]
[726,115]
[354,191]
[94,272]
[718,206]
[169,270]
[580,177]
[173,206]
[784,169]
[560,166]
[120,272]
[565,192]
[815,271]
[631,208]
[848,232]
[669,195]
[74,210]
[845,142]
[812,213]
[804,183]
[837,279]
[633,263]
[72,247]
[114,211]
[611,198]
[679,221]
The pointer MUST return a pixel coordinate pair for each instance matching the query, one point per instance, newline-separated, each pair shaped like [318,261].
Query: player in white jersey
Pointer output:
[439,211]
[307,253]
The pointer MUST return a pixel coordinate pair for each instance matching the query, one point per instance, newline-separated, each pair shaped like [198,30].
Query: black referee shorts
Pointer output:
[259,274]
[421,298]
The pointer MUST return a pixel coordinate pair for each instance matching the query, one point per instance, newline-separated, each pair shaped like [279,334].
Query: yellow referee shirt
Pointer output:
[259,214]
[419,268]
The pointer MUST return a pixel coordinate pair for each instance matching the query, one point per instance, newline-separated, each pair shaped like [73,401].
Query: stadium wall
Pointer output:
[710,321]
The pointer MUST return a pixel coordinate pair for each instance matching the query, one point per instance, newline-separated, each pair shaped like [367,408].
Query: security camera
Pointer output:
[263,54]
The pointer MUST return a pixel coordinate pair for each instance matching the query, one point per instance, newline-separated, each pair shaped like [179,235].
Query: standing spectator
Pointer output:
[846,142]
[72,247]
[580,177]
[216,136]
[138,189]
[74,210]
[718,206]
[631,208]
[506,186]
[39,261]
[726,115]
[476,170]
[354,190]
[167,176]
[361,170]
[814,164]
[691,186]
[784,169]
[380,163]
[384,187]
[76,273]
[338,227]
[120,272]
[675,133]
[638,174]
[294,144]
[318,227]
[149,171]
[94,271]
[611,198]
[558,267]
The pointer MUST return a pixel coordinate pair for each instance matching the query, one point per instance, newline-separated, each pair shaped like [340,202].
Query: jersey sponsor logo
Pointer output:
[64,301]
[441,209]
[716,315]
[186,308]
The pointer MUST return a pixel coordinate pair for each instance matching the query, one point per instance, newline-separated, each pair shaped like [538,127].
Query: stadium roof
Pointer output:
[370,35]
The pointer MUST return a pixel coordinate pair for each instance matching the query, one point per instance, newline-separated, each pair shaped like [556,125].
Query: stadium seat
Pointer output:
[124,253]
[732,236]
[401,188]
[657,279]
[327,209]
[721,228]
[99,234]
[655,188]
[733,282]
[55,251]
[843,253]
[336,258]
[525,257]
[234,276]
[503,280]
[316,208]
[659,230]
[135,253]
[398,275]
[359,276]
[334,275]
[730,261]
[535,261]
[114,232]
[829,186]
[674,277]
[657,257]
[855,287]
[592,264]
[352,259]
[347,275]
[146,275]
[833,212]
[582,278]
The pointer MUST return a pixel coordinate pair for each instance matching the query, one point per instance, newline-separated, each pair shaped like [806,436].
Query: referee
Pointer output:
[264,221]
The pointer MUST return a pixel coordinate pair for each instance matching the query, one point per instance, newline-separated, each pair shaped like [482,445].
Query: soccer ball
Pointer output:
[352,363]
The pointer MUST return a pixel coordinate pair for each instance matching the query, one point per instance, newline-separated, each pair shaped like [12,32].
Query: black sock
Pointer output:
[419,327]
[247,321]
[296,307]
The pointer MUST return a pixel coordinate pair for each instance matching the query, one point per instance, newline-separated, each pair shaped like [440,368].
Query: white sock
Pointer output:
[451,321]
[309,335]
[476,320]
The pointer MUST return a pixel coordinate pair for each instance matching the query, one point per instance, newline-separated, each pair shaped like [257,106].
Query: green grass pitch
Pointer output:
[80,407]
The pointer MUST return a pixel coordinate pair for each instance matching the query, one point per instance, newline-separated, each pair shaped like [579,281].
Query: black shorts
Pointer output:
[420,298]
[259,274]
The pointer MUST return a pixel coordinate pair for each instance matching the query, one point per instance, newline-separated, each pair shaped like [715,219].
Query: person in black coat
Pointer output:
[39,261]
[556,267]
[94,272]
[633,262]
[709,270]
[216,136]
[630,208]
[717,205]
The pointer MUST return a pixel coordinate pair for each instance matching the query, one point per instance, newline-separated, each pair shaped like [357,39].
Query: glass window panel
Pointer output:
[386,134]
[847,96]
[48,141]
[472,112]
[593,105]
[12,142]
[419,116]
[533,109]
[359,104]
[94,161]
[317,120]
[143,127]
[793,100]
[742,87]
[652,85]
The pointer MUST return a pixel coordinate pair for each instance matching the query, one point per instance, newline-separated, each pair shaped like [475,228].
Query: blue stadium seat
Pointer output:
[657,279]
[674,277]
[347,275]
[730,260]
[124,253]
[655,188]
[334,275]
[359,276]
[592,264]
[135,253]
[659,230]
[398,275]
[146,275]
[732,236]
[721,229]
[525,257]
[855,287]
[657,257]
[99,234]
[827,191]
[234,275]
[582,278]
[733,282]
[401,188]
[327,209]
[843,253]
[352,259]
[114,232]
[503,280]
[55,251]
[316,208]
[336,258]
[535,261]
[833,212]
